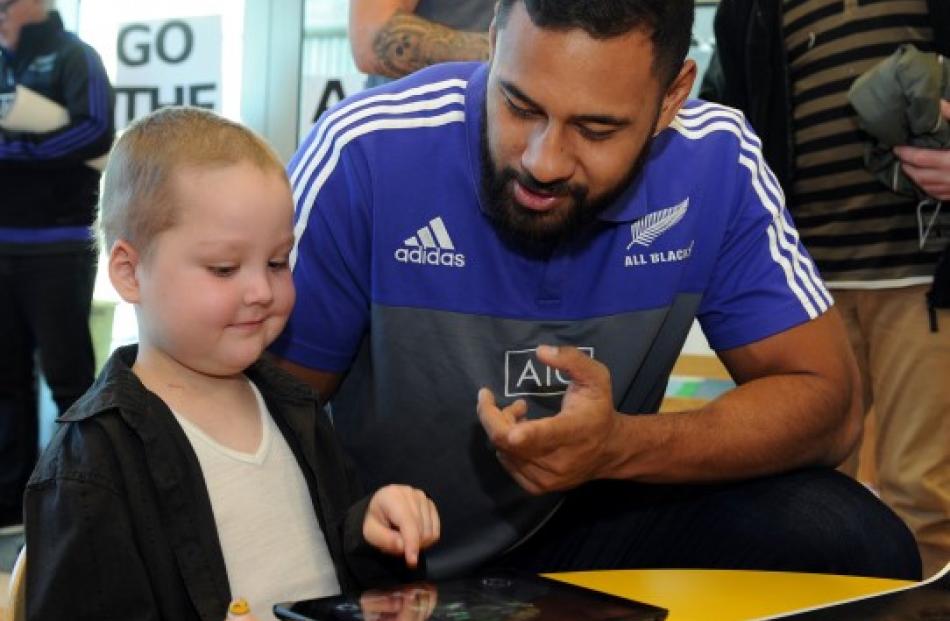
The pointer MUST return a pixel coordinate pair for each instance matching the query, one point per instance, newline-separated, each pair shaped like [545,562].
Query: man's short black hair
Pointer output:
[668,22]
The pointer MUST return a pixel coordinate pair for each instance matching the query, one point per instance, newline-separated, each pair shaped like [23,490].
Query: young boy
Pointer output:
[193,473]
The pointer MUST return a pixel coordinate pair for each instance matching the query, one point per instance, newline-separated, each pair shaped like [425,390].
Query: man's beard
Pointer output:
[543,231]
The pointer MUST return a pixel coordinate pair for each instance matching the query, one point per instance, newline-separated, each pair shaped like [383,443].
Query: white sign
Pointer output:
[167,63]
[318,93]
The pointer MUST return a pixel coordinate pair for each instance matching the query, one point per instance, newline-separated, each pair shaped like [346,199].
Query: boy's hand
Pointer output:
[401,520]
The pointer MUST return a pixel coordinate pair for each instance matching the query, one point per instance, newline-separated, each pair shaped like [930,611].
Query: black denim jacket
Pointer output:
[118,519]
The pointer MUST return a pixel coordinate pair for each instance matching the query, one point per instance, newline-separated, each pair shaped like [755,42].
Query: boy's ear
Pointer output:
[124,261]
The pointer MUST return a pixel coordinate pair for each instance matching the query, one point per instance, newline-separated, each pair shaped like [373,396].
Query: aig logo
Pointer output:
[525,375]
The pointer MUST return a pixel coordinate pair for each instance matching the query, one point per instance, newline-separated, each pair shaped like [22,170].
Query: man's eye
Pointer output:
[222,270]
[595,134]
[278,265]
[518,110]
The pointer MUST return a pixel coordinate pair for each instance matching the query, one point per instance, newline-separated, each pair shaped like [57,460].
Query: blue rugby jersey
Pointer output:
[403,283]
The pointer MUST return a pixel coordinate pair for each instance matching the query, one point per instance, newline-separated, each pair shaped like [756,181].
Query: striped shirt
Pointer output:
[861,234]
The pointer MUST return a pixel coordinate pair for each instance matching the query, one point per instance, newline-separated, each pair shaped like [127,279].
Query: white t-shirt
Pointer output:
[274,550]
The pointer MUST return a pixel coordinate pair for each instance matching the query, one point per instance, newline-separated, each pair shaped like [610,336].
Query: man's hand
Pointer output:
[401,520]
[565,450]
[929,168]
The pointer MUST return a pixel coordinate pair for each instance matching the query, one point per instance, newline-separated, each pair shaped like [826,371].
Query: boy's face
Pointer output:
[216,288]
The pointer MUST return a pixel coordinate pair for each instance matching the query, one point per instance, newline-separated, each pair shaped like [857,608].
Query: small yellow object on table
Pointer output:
[239,607]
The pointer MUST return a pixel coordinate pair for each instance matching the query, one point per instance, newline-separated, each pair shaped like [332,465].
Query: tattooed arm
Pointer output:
[387,39]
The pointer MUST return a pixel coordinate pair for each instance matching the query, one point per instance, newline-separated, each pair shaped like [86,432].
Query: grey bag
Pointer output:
[898,103]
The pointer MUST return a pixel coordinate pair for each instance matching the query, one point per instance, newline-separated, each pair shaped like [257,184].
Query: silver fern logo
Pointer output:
[645,230]
[43,64]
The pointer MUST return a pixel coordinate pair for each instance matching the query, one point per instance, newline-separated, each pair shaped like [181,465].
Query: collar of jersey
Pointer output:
[37,38]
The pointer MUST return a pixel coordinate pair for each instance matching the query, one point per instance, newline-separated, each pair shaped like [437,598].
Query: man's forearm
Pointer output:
[407,43]
[765,426]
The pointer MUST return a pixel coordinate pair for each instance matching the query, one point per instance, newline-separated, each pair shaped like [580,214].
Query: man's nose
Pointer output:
[547,156]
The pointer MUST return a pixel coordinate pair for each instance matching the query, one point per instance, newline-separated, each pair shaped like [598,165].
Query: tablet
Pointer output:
[498,596]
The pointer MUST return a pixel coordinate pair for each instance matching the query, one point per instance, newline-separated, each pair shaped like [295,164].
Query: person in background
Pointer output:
[393,38]
[498,265]
[788,66]
[47,204]
[192,473]
[865,239]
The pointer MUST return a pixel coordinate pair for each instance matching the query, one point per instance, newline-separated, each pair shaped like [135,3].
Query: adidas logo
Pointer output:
[431,245]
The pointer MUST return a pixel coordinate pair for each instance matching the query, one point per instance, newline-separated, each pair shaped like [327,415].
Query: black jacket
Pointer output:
[45,180]
[119,524]
[752,72]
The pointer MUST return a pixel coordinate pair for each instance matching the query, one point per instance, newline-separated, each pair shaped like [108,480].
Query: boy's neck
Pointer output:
[223,407]
[164,375]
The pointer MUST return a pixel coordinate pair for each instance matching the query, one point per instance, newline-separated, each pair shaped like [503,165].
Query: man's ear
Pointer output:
[124,261]
[676,94]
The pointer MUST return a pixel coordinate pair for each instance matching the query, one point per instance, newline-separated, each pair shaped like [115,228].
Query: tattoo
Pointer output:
[408,43]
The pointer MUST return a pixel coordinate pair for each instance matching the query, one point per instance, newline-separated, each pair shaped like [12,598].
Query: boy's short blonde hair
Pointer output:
[137,201]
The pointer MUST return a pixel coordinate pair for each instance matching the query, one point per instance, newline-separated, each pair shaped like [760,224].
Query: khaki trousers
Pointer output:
[905,369]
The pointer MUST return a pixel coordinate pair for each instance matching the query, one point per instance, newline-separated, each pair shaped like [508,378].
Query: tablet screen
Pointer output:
[491,597]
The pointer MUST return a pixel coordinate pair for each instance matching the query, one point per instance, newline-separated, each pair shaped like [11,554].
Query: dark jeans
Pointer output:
[815,520]
[44,315]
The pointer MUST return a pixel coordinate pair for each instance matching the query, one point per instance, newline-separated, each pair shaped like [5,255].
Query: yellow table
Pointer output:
[727,595]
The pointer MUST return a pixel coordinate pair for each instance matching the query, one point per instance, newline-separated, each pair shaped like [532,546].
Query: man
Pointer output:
[868,243]
[393,38]
[47,264]
[450,223]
